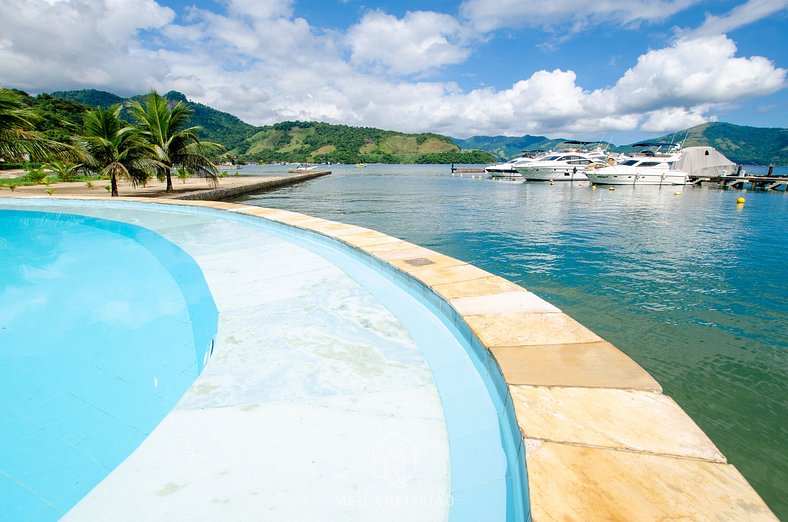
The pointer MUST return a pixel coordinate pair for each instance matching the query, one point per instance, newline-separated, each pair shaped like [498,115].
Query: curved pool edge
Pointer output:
[599,438]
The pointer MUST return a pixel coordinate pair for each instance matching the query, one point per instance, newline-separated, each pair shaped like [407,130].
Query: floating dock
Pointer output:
[741,182]
[467,170]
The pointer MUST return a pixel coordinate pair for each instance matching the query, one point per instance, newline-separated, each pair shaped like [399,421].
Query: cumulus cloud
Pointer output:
[418,42]
[258,61]
[79,43]
[741,15]
[573,15]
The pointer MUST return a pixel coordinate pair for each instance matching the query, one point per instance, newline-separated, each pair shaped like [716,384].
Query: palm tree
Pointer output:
[174,143]
[18,139]
[116,149]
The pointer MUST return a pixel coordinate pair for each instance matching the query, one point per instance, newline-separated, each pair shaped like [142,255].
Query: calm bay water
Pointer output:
[689,285]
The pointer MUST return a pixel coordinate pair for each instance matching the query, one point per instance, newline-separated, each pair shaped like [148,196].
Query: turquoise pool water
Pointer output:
[688,285]
[265,358]
[104,326]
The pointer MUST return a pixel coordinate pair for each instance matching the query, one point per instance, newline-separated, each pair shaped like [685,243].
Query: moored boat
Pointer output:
[563,166]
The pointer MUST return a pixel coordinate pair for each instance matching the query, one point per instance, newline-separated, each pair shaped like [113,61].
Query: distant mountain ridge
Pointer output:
[218,126]
[739,143]
[317,141]
[301,141]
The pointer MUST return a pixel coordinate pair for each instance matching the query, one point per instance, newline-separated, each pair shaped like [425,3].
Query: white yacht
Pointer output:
[640,170]
[562,166]
[675,167]
[508,171]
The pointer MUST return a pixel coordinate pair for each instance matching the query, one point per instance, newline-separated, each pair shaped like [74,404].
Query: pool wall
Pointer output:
[599,438]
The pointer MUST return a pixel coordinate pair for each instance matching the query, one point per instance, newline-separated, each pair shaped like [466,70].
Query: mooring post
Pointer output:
[771,169]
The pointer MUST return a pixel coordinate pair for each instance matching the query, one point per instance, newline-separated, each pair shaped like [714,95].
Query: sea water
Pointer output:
[682,279]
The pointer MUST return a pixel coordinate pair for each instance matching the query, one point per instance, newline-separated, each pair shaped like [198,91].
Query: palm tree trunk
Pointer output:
[113,180]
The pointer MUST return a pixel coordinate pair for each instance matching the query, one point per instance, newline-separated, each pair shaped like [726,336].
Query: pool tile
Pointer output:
[595,365]
[25,503]
[469,412]
[474,468]
[529,329]
[473,504]
[570,482]
[620,419]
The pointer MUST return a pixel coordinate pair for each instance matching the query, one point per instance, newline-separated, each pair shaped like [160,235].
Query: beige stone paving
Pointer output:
[634,420]
[520,301]
[529,328]
[589,365]
[475,287]
[587,484]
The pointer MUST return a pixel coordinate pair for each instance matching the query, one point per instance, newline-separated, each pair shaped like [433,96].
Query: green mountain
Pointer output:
[506,147]
[301,141]
[218,126]
[747,145]
[323,142]
[90,97]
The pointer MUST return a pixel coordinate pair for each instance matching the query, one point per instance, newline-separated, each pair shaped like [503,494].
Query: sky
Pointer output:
[620,70]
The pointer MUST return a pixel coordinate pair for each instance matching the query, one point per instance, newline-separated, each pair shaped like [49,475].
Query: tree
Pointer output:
[18,139]
[116,149]
[174,143]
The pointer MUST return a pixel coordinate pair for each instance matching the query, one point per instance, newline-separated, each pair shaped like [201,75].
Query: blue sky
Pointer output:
[619,69]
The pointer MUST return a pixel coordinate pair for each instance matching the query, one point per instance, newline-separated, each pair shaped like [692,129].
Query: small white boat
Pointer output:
[305,167]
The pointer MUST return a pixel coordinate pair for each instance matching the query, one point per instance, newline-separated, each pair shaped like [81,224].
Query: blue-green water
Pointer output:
[691,286]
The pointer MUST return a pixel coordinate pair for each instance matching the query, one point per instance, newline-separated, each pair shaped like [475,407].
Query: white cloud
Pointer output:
[418,42]
[572,15]
[261,63]
[690,73]
[80,43]
[743,14]
[261,9]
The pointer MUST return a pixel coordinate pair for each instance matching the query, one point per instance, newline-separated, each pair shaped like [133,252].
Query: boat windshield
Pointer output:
[629,163]
[550,158]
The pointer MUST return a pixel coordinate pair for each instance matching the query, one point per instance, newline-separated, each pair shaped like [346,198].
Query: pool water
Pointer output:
[104,326]
[345,385]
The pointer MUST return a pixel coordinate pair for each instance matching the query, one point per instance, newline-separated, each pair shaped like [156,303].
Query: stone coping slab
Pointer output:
[590,484]
[585,409]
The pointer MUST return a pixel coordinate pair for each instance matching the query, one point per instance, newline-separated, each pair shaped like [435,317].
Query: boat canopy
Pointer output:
[704,161]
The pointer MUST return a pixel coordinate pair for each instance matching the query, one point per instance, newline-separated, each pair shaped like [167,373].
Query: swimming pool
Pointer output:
[366,385]
[104,326]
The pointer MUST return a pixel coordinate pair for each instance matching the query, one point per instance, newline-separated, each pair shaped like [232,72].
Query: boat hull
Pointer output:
[553,174]
[638,177]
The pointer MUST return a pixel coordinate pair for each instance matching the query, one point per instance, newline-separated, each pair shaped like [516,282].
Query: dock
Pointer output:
[467,170]
[741,182]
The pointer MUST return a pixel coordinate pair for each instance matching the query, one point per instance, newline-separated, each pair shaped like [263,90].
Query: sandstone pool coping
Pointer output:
[602,440]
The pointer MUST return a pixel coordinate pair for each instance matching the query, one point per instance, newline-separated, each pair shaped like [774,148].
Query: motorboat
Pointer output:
[646,170]
[508,171]
[675,167]
[305,167]
[562,166]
